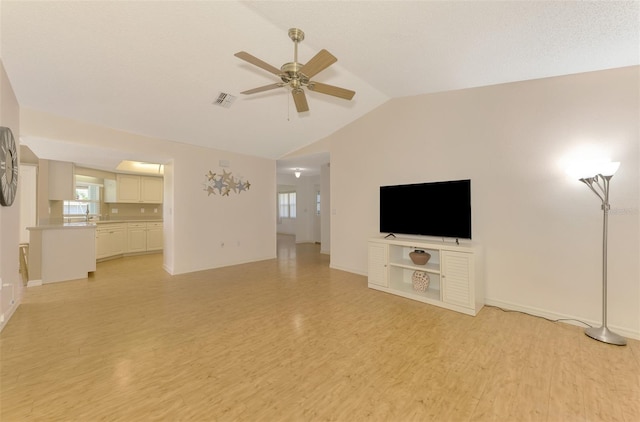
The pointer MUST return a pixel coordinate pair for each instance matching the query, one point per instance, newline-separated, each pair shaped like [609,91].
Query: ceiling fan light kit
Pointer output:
[297,76]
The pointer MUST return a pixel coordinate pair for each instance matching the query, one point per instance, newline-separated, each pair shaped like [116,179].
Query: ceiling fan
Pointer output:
[297,75]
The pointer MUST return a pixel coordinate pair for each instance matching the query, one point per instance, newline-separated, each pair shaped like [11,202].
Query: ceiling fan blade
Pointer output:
[257,62]
[300,99]
[262,88]
[331,90]
[318,63]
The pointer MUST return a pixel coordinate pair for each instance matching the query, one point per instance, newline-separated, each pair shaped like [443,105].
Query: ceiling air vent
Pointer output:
[224,100]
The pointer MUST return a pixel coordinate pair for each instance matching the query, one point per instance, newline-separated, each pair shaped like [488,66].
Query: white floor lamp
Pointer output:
[599,184]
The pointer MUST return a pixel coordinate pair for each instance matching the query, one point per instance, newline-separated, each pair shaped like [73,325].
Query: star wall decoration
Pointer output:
[224,184]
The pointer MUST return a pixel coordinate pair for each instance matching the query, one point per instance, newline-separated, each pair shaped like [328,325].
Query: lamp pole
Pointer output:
[599,185]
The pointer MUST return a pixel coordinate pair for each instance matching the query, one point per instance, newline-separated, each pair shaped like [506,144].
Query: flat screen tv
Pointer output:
[441,209]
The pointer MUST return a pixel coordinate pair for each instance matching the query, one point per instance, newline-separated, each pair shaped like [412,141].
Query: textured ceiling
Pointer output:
[155,68]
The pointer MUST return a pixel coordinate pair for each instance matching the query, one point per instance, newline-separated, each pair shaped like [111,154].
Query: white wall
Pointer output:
[11,283]
[213,230]
[541,232]
[197,224]
[168,223]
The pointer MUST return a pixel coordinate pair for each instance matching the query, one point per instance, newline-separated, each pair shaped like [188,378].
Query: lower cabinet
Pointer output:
[144,237]
[452,278]
[117,239]
[136,237]
[457,275]
[155,240]
[378,265]
[110,240]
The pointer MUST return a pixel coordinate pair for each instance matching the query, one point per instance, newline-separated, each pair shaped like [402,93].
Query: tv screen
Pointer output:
[441,209]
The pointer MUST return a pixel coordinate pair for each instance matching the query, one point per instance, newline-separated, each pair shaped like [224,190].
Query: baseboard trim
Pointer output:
[349,270]
[569,319]
[34,283]
[122,255]
[168,269]
[5,317]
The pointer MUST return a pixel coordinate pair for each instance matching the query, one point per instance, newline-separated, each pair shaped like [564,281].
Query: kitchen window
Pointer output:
[87,196]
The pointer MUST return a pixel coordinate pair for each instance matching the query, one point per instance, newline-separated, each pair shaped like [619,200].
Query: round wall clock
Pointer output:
[8,167]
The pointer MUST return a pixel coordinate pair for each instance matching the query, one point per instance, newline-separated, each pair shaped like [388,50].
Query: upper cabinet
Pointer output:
[151,189]
[134,189]
[61,181]
[128,188]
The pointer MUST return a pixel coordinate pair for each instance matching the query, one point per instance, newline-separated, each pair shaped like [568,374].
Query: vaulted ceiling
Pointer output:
[157,67]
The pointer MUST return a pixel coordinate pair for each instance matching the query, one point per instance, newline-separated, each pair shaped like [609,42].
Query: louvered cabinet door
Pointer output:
[457,278]
[378,270]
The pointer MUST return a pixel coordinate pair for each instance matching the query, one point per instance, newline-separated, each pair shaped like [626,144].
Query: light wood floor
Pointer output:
[292,340]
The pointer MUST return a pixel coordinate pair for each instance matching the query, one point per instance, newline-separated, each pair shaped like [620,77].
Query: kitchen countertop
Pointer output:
[131,220]
[91,224]
[78,225]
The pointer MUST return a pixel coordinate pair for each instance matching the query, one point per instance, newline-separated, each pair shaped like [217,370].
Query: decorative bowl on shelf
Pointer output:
[420,281]
[419,257]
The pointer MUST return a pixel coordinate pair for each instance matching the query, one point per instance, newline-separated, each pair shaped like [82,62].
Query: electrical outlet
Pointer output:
[155,210]
[141,210]
[114,211]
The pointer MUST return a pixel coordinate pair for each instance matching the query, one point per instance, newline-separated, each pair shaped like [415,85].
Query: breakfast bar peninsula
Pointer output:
[61,252]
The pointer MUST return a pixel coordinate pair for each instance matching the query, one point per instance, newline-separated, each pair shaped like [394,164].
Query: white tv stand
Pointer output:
[455,272]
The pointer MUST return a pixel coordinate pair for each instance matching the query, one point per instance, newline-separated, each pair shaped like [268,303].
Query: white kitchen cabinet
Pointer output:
[136,237]
[155,241]
[110,240]
[61,181]
[131,189]
[127,188]
[109,190]
[144,237]
[455,273]
[151,189]
[103,243]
